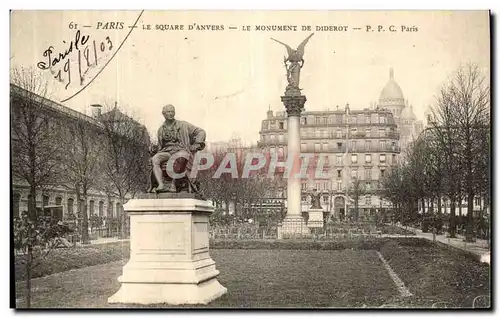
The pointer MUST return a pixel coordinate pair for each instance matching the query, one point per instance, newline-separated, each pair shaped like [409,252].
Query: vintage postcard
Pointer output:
[250,159]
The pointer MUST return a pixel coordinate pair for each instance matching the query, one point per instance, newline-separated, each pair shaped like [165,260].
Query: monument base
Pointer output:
[172,294]
[315,218]
[169,260]
[293,226]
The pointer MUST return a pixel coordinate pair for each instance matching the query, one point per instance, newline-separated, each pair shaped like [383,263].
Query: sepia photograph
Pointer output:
[250,159]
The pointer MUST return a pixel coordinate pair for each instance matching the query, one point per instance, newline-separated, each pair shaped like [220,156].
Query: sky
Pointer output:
[225,80]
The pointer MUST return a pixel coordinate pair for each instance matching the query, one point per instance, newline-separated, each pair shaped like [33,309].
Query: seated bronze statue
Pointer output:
[179,138]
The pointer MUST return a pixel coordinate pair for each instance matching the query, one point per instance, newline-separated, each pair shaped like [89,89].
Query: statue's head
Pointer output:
[168,112]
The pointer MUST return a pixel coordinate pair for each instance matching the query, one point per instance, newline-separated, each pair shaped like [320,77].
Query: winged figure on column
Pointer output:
[294,62]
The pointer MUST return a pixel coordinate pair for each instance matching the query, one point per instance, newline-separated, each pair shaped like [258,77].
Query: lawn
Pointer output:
[254,278]
[436,273]
[64,259]
[286,274]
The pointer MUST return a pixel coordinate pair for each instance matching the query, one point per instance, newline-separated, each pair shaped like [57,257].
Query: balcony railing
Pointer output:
[364,135]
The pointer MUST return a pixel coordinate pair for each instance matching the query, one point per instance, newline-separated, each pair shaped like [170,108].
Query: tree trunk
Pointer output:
[29,264]
[32,204]
[469,234]
[85,221]
[122,219]
[440,211]
[453,224]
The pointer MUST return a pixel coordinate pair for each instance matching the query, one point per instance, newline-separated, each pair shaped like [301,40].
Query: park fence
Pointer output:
[301,229]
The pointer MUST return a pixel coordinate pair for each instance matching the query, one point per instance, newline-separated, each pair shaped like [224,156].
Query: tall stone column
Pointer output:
[293,222]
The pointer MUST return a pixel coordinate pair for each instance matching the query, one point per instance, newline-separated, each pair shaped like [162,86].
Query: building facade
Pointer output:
[359,145]
[60,199]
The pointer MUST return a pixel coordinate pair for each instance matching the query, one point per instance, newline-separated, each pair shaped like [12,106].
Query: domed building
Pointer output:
[392,99]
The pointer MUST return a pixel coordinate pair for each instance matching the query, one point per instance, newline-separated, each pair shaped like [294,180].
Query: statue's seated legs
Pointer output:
[167,182]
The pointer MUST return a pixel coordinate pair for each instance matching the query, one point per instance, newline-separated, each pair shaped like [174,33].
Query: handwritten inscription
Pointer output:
[88,53]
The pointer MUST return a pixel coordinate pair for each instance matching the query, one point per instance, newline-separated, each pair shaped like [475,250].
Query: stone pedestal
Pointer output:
[315,218]
[169,254]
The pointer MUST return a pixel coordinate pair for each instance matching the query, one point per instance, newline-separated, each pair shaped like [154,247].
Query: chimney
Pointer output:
[96,110]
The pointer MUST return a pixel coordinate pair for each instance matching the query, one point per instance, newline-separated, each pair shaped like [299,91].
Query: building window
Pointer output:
[339,119]
[281,152]
[382,173]
[367,132]
[272,150]
[354,173]
[339,185]
[382,144]
[393,146]
[394,161]
[70,206]
[382,158]
[368,174]
[304,186]
[368,158]
[325,146]
[317,133]
[45,200]
[339,173]
[339,146]
[317,147]
[281,125]
[303,147]
[368,186]
[101,208]
[368,200]
[354,158]
[281,138]
[367,119]
[478,201]
[339,160]
[353,144]
[382,119]
[339,133]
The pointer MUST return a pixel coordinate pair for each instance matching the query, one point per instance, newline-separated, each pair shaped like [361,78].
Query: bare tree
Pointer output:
[82,162]
[236,189]
[356,191]
[35,156]
[462,114]
[394,190]
[34,133]
[125,156]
